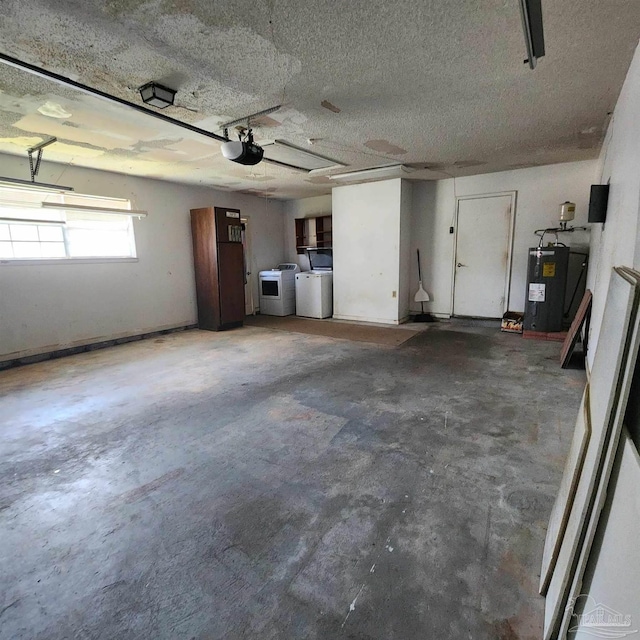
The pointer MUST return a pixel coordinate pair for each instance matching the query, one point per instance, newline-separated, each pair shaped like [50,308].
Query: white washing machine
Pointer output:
[314,289]
[278,290]
[314,294]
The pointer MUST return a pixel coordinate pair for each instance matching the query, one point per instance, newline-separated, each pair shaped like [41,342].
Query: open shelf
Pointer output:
[305,237]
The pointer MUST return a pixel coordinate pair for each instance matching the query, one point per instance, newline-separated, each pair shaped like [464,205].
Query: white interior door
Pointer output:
[483,255]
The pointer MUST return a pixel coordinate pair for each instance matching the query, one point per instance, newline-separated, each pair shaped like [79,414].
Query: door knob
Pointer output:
[461,265]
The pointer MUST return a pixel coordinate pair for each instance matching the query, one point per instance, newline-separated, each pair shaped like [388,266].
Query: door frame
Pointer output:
[512,218]
[248,260]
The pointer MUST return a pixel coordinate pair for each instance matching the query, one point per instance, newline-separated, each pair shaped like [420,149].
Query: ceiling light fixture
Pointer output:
[25,196]
[288,155]
[531,12]
[157,95]
[107,210]
[376,173]
[15,182]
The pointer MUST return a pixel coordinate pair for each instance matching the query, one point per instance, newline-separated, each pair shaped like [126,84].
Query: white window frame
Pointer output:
[24,196]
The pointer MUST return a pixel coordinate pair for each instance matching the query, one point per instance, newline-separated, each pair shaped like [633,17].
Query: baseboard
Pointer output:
[363,319]
[16,360]
[435,314]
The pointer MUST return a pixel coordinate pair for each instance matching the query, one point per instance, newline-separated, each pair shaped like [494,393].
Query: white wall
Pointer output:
[304,208]
[48,307]
[540,190]
[617,242]
[433,212]
[404,285]
[368,223]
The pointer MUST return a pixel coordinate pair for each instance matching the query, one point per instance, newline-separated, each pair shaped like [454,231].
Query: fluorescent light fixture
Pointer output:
[19,204]
[15,182]
[287,155]
[23,195]
[157,95]
[531,13]
[33,221]
[375,173]
[77,207]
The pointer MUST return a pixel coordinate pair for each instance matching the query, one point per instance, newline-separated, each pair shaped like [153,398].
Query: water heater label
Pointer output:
[536,292]
[549,270]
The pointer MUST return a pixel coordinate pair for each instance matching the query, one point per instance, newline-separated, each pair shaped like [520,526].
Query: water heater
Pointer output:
[546,285]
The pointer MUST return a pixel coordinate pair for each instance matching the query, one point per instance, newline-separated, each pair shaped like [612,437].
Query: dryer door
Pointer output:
[270,287]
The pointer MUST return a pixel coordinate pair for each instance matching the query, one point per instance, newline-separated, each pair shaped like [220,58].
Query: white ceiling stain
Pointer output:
[53,110]
[437,85]
[385,147]
[194,150]
[112,124]
[19,144]
[76,152]
[40,124]
[163,155]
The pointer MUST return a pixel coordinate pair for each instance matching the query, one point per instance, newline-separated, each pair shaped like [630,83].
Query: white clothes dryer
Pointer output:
[278,290]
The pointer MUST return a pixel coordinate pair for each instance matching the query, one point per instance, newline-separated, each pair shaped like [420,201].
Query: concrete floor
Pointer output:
[271,485]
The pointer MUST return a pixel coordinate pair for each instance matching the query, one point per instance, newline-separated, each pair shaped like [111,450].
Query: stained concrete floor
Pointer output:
[261,484]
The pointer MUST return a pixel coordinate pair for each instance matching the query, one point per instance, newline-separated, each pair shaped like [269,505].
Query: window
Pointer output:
[49,225]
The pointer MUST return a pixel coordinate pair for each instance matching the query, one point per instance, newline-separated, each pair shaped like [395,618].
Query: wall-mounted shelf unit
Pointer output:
[324,237]
[313,232]
[302,234]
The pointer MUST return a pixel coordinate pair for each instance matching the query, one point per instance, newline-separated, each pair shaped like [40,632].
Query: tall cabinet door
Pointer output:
[230,266]
[205,262]
[219,267]
[231,282]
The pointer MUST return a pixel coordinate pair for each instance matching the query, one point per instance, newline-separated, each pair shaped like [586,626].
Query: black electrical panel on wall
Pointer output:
[598,202]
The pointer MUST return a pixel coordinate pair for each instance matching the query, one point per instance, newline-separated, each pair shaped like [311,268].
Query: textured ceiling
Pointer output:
[437,85]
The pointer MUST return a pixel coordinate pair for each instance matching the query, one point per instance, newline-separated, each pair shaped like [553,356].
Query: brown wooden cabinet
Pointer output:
[219,267]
